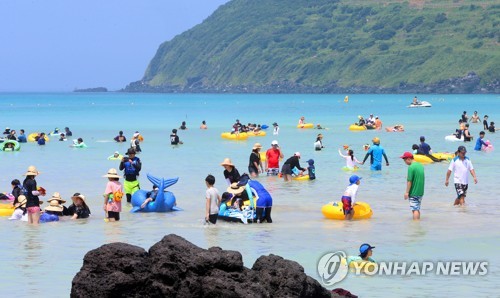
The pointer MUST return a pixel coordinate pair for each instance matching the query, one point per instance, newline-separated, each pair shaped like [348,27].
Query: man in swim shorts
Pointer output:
[415,182]
[131,166]
[273,156]
[461,166]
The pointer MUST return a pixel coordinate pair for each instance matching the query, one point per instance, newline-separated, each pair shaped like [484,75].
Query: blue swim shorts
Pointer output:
[415,203]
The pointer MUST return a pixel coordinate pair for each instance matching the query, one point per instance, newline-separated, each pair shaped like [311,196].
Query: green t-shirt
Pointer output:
[417,178]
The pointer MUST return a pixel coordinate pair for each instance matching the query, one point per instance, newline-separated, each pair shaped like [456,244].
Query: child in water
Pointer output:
[350,196]
[350,160]
[311,169]
[151,196]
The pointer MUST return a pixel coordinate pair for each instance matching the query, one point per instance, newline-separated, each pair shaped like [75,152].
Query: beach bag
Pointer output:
[118,195]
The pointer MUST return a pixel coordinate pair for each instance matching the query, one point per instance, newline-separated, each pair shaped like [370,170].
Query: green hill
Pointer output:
[334,46]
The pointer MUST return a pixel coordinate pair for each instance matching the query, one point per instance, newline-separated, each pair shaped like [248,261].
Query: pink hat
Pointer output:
[297,154]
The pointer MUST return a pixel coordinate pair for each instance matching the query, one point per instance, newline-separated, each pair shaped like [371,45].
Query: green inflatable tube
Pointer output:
[15,146]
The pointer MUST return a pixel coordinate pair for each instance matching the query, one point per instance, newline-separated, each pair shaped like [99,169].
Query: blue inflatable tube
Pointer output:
[45,217]
[164,202]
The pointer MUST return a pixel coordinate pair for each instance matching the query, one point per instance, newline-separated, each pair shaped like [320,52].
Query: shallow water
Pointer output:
[44,259]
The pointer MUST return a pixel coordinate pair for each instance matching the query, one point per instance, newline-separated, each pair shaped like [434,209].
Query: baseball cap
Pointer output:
[461,149]
[406,155]
[274,142]
[422,138]
[310,161]
[365,247]
[297,154]
[354,179]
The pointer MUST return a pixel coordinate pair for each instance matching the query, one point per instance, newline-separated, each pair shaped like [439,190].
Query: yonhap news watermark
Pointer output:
[335,266]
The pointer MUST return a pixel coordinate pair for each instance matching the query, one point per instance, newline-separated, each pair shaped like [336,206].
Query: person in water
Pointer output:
[290,165]
[376,152]
[378,123]
[183,125]
[174,138]
[415,181]
[365,254]
[465,118]
[203,125]
[131,165]
[467,136]
[212,200]
[474,118]
[311,169]
[318,145]
[255,164]
[361,121]
[79,143]
[112,193]
[22,137]
[32,193]
[273,156]
[425,149]
[492,128]
[302,120]
[461,166]
[480,142]
[231,174]
[41,139]
[120,138]
[276,129]
[62,137]
[349,196]
[151,196]
[81,209]
[68,132]
[350,159]
[485,122]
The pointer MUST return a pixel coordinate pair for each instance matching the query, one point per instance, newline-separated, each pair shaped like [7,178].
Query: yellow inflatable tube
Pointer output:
[6,209]
[259,133]
[301,178]
[333,210]
[357,127]
[233,136]
[31,137]
[305,125]
[440,155]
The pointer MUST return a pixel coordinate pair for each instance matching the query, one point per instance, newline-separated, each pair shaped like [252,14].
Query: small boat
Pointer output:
[420,104]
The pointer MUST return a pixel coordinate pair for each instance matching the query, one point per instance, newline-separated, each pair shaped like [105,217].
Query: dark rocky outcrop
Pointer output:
[175,267]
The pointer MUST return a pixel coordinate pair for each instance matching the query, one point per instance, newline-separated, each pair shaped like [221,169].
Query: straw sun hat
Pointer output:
[54,206]
[21,201]
[56,197]
[112,173]
[235,189]
[227,162]
[257,145]
[32,171]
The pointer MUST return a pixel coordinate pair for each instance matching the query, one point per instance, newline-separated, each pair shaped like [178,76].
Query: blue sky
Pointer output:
[60,45]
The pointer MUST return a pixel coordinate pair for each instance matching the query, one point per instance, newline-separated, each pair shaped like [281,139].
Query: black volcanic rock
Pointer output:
[175,267]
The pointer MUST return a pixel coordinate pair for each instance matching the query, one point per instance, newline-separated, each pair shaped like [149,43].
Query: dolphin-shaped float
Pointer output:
[165,200]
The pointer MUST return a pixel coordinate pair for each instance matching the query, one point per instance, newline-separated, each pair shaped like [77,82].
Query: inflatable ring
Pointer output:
[301,178]
[112,157]
[16,145]
[357,127]
[234,136]
[305,125]
[333,210]
[453,138]
[6,209]
[349,169]
[32,136]
[259,133]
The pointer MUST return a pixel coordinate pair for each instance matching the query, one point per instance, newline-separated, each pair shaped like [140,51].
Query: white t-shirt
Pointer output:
[276,130]
[212,194]
[461,169]
[351,191]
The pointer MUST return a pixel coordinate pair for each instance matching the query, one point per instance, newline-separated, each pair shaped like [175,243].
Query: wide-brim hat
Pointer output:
[21,201]
[112,173]
[32,171]
[57,196]
[79,196]
[227,162]
[257,145]
[235,189]
[54,206]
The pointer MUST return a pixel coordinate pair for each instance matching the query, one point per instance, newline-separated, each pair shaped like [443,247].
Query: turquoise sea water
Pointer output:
[43,260]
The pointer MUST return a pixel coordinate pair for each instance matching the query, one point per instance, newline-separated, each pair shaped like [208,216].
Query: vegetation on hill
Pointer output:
[332,45]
